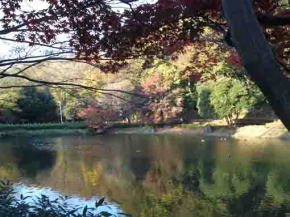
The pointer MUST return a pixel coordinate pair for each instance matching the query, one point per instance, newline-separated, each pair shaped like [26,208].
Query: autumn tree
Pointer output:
[98,117]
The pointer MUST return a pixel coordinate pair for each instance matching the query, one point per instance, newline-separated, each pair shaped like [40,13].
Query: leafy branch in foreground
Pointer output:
[11,206]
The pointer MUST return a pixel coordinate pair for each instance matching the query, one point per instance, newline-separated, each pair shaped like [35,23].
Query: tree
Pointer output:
[230,97]
[258,57]
[205,109]
[107,37]
[171,92]
[8,102]
[98,117]
[36,106]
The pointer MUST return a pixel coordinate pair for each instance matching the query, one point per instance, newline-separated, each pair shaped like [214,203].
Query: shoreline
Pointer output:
[267,131]
[274,130]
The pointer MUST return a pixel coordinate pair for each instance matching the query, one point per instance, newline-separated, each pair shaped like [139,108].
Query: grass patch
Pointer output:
[193,125]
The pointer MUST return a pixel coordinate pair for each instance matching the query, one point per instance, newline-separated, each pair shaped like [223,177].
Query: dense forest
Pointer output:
[205,81]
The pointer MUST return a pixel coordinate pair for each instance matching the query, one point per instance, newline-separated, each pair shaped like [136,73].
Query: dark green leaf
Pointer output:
[100,202]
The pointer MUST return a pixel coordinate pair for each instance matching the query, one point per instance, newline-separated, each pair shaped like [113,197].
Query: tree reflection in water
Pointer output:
[159,175]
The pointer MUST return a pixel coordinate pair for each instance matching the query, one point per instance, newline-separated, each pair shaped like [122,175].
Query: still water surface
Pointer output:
[155,176]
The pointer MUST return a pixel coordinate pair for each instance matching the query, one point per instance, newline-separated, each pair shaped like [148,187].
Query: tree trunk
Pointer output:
[257,56]
[61,112]
[128,120]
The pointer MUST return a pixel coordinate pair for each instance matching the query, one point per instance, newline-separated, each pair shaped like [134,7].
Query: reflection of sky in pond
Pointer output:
[73,201]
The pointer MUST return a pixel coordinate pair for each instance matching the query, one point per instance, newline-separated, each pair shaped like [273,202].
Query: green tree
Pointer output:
[8,106]
[36,105]
[204,107]
[230,97]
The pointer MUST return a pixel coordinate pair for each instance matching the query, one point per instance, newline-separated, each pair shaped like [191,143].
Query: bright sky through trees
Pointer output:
[13,49]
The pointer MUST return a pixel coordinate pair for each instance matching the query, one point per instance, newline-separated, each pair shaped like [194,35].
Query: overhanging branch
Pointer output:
[273,20]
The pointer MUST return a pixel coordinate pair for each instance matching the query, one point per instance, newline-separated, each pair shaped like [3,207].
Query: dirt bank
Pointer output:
[271,130]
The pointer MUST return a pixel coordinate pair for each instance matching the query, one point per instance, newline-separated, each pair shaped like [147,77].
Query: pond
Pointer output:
[160,176]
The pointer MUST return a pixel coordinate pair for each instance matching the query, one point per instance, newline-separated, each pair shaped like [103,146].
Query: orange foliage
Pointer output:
[98,117]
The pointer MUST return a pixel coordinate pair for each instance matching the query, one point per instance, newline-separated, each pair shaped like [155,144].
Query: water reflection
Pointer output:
[158,175]
[19,158]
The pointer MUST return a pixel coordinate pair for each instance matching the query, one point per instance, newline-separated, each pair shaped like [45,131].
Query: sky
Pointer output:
[7,48]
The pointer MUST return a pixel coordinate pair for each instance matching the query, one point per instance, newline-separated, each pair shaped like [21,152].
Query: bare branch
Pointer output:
[70,84]
[33,43]
[15,60]
[25,68]
[37,61]
[12,29]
